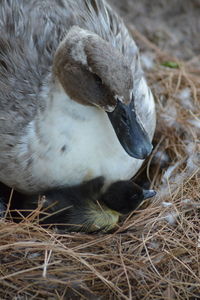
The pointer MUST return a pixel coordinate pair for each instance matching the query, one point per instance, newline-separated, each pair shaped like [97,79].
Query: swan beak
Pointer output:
[130,132]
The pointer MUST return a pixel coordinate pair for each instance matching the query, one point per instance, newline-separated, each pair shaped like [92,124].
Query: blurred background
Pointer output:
[173,25]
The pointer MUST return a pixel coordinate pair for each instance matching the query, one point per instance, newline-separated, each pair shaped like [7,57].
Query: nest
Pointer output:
[155,251]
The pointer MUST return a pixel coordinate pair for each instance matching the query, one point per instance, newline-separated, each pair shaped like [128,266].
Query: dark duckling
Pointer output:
[83,207]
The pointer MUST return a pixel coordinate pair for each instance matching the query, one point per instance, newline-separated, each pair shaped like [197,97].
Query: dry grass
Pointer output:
[155,253]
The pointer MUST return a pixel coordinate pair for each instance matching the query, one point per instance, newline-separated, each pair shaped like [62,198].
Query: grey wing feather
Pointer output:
[30,31]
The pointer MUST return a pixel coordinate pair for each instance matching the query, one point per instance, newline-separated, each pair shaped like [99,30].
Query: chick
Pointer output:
[125,196]
[84,207]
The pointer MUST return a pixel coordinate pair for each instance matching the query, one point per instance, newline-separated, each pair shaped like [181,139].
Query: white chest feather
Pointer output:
[70,142]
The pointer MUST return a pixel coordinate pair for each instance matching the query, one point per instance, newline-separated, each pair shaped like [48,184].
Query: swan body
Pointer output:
[56,94]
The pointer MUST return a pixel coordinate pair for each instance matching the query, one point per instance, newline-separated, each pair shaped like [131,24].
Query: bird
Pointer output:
[74,101]
[85,207]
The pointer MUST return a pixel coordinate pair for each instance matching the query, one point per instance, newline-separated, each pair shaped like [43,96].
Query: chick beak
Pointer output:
[130,132]
[148,194]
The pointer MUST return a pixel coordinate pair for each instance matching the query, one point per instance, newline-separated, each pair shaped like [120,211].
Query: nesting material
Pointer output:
[154,254]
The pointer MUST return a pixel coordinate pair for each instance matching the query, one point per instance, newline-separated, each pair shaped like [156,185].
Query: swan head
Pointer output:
[93,72]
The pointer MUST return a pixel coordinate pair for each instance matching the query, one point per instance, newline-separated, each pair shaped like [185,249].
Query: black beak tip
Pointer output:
[141,152]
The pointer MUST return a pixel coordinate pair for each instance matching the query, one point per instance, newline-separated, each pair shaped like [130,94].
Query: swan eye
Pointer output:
[98,79]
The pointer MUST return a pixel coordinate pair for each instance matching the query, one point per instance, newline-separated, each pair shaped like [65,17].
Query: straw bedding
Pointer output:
[155,252]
